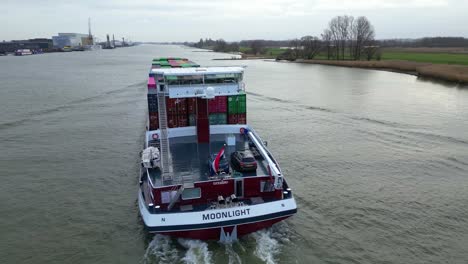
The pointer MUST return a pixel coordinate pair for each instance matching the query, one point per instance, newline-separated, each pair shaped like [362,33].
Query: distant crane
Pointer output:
[90,36]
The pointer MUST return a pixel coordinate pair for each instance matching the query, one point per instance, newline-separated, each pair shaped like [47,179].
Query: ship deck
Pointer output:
[190,158]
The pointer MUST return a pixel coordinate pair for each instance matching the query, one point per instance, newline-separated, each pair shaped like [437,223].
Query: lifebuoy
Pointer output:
[155,136]
[242,130]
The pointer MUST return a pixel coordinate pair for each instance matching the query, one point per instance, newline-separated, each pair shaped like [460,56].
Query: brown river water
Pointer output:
[378,162]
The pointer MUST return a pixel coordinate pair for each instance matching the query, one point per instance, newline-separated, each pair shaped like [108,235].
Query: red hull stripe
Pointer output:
[176,228]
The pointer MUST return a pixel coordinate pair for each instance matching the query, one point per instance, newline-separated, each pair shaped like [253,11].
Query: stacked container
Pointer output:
[182,112]
[192,111]
[217,109]
[153,118]
[172,63]
[237,109]
[176,112]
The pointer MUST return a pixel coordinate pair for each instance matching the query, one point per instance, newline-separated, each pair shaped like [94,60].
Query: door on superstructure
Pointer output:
[239,187]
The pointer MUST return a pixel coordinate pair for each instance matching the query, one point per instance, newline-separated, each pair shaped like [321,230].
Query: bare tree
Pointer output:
[311,46]
[340,31]
[257,46]
[296,48]
[362,36]
[327,41]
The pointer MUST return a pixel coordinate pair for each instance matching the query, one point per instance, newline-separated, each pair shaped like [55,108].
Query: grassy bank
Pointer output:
[429,57]
[452,73]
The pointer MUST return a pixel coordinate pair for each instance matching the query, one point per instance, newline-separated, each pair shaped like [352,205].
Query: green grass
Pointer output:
[268,52]
[274,51]
[439,58]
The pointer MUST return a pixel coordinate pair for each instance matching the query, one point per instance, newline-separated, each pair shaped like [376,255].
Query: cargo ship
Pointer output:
[205,173]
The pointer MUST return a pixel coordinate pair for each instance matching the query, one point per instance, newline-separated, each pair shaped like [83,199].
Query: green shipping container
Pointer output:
[218,119]
[237,104]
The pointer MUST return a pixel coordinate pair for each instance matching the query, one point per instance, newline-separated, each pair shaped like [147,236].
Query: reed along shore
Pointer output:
[445,72]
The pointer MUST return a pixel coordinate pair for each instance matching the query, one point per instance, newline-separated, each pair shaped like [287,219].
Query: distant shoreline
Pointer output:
[444,72]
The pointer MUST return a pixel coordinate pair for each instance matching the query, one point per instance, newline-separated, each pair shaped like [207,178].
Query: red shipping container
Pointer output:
[182,121]
[176,106]
[181,106]
[153,121]
[191,105]
[212,106]
[217,105]
[232,119]
[242,118]
[237,119]
[172,120]
[170,105]
[222,104]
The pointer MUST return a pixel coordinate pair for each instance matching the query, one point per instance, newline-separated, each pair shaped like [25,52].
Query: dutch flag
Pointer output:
[215,164]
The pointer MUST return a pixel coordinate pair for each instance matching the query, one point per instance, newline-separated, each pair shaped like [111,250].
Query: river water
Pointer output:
[378,162]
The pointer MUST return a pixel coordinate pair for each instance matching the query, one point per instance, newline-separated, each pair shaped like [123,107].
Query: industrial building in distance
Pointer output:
[42,44]
[71,40]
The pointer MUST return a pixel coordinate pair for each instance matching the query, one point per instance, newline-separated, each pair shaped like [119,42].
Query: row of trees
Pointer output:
[220,45]
[344,38]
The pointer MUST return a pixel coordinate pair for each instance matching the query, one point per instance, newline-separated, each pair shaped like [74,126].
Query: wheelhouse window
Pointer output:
[266,186]
[223,78]
[191,193]
[184,79]
[167,196]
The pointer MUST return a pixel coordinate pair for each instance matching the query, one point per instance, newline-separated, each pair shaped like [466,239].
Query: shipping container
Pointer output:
[192,120]
[237,104]
[152,102]
[151,83]
[191,105]
[174,120]
[182,120]
[218,119]
[153,120]
[234,119]
[171,120]
[176,106]
[217,104]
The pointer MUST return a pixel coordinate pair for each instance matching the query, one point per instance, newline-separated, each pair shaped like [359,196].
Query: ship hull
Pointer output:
[215,233]
[196,226]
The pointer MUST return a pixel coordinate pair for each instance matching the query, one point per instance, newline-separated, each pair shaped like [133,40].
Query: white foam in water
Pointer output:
[267,246]
[161,250]
[233,256]
[197,251]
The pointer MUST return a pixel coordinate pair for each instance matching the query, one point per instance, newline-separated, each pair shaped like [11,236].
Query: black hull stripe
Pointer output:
[177,228]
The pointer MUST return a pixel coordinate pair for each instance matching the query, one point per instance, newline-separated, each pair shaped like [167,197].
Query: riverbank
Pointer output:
[445,72]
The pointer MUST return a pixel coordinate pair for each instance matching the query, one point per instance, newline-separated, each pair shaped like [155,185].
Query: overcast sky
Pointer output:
[180,20]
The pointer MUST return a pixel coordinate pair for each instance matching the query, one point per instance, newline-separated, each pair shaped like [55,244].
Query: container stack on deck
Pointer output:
[153,118]
[173,63]
[217,109]
[176,112]
[237,109]
[181,112]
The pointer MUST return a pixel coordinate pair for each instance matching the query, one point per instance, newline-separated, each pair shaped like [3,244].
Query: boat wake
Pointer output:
[164,249]
[196,251]
[263,246]
[161,250]
[267,246]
